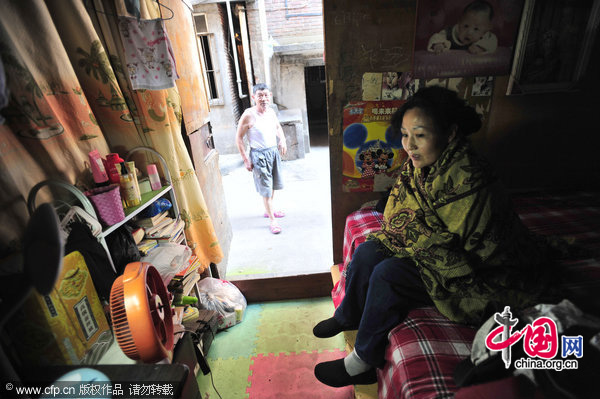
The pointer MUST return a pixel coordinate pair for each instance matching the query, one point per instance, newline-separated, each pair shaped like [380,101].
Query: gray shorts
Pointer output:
[266,170]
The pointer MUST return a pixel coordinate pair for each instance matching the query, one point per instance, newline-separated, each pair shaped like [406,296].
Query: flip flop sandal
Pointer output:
[277,214]
[275,229]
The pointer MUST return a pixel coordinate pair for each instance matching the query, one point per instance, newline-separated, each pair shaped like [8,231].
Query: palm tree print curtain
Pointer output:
[69,95]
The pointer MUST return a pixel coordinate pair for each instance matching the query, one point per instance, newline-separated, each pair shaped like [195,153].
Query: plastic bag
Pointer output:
[224,298]
[169,259]
[158,206]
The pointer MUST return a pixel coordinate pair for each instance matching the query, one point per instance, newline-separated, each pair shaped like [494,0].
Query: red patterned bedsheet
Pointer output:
[426,347]
[358,225]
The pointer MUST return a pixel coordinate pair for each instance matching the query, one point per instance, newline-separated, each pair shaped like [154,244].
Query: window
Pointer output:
[208,58]
[201,26]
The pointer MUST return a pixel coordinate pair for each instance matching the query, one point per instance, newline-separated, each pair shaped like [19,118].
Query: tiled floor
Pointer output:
[272,354]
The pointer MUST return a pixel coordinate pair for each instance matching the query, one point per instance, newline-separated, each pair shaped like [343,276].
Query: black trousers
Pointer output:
[380,291]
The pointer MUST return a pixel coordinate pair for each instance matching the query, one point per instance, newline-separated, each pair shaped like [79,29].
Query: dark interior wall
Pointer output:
[360,36]
[546,140]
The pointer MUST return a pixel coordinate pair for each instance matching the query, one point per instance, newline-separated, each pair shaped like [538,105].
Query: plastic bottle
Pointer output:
[155,183]
[128,192]
[132,171]
[112,160]
[98,171]
[181,300]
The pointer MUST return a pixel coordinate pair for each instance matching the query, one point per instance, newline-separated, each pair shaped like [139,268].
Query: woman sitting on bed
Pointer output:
[449,238]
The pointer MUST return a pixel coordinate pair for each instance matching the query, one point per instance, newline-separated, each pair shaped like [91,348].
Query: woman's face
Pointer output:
[420,140]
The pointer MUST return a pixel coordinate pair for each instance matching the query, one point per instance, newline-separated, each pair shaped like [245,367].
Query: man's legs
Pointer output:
[267,179]
[268,202]
[276,183]
[270,210]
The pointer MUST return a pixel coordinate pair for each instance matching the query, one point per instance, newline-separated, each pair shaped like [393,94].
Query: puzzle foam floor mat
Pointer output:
[272,354]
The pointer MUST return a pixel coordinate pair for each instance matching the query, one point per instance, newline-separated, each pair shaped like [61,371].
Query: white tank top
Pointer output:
[263,133]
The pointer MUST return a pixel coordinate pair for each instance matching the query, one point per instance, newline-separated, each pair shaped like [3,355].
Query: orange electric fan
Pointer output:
[141,314]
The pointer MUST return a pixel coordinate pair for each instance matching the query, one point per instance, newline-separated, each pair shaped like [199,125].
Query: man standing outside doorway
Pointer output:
[266,139]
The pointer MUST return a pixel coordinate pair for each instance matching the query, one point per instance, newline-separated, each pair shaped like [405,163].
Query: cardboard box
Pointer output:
[68,326]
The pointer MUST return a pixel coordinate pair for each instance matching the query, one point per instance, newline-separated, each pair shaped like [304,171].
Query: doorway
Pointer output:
[316,105]
[304,247]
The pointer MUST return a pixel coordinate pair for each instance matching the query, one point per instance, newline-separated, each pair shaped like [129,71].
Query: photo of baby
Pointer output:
[465,37]
[472,32]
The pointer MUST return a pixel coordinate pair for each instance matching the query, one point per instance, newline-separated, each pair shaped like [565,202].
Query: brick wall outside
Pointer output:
[253,20]
[294,27]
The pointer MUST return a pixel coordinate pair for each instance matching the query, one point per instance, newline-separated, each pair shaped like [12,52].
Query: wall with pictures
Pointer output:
[543,140]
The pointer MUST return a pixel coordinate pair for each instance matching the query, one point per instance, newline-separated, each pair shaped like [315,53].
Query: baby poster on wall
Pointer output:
[372,154]
[465,37]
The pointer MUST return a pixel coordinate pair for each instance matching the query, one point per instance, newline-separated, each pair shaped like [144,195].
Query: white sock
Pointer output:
[355,365]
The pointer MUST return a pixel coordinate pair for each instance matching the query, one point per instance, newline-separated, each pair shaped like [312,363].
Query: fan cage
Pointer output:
[119,319]
[141,334]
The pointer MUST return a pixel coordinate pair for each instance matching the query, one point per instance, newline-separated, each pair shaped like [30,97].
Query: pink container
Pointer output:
[155,183]
[108,204]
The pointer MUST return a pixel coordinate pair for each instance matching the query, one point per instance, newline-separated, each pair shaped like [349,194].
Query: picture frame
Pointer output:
[554,44]
[443,48]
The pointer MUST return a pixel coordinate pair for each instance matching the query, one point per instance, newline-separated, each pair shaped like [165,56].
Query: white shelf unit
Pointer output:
[147,199]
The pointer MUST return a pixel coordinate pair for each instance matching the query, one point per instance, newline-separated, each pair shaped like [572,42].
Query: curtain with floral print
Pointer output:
[69,93]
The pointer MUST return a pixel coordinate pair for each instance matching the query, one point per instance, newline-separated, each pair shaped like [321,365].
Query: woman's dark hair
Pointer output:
[445,109]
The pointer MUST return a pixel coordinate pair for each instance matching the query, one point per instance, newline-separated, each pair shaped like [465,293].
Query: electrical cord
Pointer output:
[197,338]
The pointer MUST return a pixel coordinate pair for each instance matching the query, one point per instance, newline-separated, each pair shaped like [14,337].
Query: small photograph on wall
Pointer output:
[372,154]
[371,86]
[554,46]
[479,95]
[465,37]
[482,86]
[378,86]
[477,91]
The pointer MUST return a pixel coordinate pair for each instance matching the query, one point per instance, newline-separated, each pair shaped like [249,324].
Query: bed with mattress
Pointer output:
[425,349]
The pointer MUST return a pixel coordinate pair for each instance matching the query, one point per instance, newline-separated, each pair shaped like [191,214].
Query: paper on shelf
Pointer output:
[169,259]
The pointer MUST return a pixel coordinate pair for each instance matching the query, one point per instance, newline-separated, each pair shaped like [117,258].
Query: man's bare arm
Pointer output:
[280,135]
[243,126]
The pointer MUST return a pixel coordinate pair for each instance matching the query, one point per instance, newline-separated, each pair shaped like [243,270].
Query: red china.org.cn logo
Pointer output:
[540,342]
